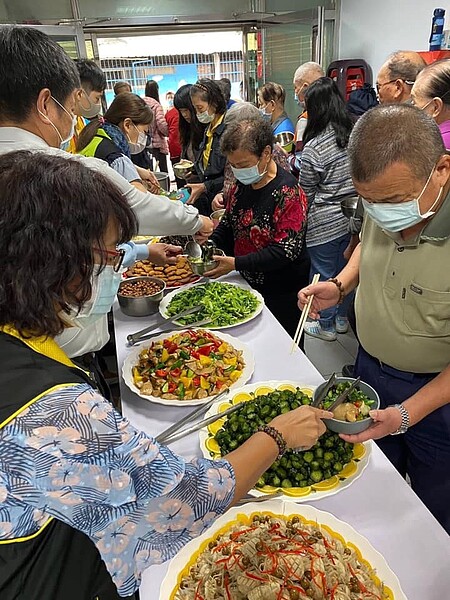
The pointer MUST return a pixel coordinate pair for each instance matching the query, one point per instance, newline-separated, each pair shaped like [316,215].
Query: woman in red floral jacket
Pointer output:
[263,229]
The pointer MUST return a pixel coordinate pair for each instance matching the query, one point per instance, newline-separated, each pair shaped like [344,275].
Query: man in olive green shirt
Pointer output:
[402,173]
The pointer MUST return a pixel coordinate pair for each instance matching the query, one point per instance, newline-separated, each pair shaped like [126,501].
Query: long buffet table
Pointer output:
[379,505]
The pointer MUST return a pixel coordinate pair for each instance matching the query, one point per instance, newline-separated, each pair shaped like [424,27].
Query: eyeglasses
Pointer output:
[380,85]
[114,257]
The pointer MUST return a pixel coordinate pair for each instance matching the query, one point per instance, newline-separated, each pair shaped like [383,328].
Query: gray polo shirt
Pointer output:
[403,298]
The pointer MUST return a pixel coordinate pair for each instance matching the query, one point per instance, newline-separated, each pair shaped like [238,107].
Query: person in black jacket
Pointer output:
[210,106]
[263,229]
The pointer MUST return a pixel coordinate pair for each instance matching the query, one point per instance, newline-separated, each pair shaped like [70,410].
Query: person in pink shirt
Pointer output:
[431,93]
[160,129]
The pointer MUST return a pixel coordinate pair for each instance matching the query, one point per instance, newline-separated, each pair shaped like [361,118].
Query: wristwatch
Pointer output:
[404,425]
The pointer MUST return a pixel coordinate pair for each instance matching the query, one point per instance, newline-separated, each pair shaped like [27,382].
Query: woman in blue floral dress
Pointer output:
[87,501]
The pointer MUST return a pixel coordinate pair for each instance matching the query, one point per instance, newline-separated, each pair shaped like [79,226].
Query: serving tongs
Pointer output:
[340,399]
[181,434]
[323,394]
[134,338]
[167,433]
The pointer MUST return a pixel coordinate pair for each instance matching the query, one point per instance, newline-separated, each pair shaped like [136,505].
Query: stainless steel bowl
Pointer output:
[285,139]
[216,216]
[339,426]
[141,306]
[200,266]
[351,207]
[184,169]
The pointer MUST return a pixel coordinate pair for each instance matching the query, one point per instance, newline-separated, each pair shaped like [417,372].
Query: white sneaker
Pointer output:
[341,324]
[314,329]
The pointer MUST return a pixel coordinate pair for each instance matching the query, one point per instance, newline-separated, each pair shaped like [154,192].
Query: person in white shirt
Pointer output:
[38,97]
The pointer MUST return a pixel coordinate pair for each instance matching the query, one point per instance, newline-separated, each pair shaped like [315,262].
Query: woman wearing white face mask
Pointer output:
[271,99]
[91,501]
[120,135]
[210,107]
[263,229]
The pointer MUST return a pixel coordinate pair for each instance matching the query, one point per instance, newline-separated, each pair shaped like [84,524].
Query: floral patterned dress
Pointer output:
[264,229]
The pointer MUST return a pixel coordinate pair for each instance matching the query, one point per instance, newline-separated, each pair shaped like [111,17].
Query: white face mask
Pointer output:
[205,118]
[105,286]
[93,109]
[397,217]
[140,144]
[63,142]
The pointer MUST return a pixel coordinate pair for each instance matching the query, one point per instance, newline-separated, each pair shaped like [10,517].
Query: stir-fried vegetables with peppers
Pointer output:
[269,557]
[225,304]
[356,407]
[189,365]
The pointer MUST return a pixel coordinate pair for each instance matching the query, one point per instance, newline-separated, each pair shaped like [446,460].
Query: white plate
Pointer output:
[133,358]
[295,494]
[288,509]
[166,301]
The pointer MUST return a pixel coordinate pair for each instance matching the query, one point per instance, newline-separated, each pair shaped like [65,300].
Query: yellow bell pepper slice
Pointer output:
[234,375]
[205,361]
[230,361]
[223,348]
[186,381]
[165,355]
[204,384]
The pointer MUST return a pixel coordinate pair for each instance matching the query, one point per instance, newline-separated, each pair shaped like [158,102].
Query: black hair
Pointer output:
[208,91]
[124,106]
[388,134]
[325,106]
[252,134]
[92,77]
[191,134]
[30,62]
[53,212]
[152,89]
[225,86]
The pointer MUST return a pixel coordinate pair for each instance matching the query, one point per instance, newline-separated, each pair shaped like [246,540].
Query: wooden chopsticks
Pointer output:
[304,316]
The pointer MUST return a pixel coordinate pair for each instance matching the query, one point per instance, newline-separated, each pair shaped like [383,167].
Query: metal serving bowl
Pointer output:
[141,306]
[216,216]
[344,426]
[351,207]
[184,169]
[285,139]
[200,266]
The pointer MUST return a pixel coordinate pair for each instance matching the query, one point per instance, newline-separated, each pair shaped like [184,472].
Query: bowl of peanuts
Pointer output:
[140,296]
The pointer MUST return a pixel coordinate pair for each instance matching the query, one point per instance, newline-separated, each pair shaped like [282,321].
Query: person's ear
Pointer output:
[437,105]
[126,125]
[43,104]
[400,89]
[442,170]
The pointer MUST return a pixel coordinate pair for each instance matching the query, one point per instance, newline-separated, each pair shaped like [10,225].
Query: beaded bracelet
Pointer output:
[276,436]
[340,287]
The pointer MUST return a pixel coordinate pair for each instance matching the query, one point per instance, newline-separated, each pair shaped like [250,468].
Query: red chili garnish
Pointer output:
[175,372]
[172,387]
[227,589]
[161,373]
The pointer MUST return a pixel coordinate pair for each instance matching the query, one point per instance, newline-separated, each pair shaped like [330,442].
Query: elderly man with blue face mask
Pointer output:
[403,297]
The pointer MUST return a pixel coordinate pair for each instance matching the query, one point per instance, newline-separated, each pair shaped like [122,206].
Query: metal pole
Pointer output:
[320,34]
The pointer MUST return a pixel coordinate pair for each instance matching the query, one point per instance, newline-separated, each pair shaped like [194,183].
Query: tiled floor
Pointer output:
[329,357]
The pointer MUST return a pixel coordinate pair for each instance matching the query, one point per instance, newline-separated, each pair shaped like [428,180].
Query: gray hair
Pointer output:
[394,133]
[239,111]
[306,69]
[405,65]
[252,134]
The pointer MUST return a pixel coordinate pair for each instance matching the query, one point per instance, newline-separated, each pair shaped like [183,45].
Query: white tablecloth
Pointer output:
[379,505]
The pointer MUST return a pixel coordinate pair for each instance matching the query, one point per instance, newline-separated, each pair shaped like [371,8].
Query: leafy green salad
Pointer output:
[295,469]
[225,304]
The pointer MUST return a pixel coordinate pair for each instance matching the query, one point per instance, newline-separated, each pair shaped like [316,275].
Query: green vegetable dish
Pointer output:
[355,408]
[295,469]
[225,304]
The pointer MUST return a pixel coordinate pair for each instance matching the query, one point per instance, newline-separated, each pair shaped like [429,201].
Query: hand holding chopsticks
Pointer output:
[304,316]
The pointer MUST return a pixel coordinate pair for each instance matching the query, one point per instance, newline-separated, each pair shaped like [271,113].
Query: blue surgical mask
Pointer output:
[397,217]
[105,285]
[267,116]
[248,175]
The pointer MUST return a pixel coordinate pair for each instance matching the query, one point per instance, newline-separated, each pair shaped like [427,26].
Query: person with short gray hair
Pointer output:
[304,76]
[397,76]
[263,229]
[403,297]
